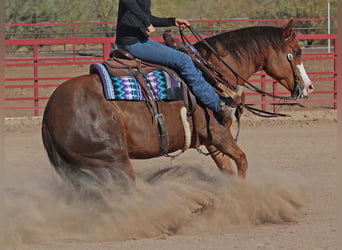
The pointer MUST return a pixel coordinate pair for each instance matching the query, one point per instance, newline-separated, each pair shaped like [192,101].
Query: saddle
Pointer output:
[122,65]
[121,54]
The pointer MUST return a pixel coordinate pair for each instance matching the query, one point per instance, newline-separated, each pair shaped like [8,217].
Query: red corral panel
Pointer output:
[39,65]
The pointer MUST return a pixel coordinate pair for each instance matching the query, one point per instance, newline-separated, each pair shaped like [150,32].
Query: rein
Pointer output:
[247,84]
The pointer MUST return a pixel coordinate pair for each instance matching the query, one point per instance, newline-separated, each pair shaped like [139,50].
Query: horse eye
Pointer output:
[297,53]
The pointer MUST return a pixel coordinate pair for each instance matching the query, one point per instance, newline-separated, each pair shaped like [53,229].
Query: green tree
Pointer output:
[104,11]
[39,11]
[50,11]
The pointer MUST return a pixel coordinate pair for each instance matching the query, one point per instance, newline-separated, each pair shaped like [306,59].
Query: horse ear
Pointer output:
[287,29]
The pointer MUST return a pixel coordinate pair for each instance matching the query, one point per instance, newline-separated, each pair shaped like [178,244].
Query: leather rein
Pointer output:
[249,85]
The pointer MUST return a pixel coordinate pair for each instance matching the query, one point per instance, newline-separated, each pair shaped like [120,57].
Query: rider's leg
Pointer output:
[160,54]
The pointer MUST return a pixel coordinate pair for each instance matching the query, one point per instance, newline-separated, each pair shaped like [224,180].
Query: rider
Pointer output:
[135,24]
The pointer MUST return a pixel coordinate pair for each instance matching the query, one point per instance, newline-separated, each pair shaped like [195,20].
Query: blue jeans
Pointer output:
[158,53]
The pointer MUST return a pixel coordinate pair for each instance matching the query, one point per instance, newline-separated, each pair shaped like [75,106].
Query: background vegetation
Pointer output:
[63,11]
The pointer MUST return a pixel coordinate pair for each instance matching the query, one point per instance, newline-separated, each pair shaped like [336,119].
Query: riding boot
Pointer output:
[226,110]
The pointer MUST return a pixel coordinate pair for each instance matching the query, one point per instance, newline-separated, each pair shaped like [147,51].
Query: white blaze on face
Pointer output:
[308,86]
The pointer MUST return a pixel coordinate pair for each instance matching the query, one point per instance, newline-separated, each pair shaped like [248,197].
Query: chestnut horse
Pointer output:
[87,137]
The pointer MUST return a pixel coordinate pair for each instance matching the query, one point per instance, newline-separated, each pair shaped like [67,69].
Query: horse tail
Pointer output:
[65,169]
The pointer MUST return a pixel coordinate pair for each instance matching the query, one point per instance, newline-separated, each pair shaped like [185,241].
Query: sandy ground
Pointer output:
[286,202]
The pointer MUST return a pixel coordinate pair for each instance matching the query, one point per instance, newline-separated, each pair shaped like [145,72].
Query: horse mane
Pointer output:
[245,43]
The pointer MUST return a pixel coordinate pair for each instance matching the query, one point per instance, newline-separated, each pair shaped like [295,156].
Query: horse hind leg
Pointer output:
[84,182]
[122,174]
[99,185]
[66,170]
[118,177]
[84,173]
[87,185]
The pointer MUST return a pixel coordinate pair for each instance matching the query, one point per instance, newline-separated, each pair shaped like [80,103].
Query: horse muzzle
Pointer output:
[298,91]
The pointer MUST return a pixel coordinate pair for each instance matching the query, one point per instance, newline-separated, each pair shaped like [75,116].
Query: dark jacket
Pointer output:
[134,16]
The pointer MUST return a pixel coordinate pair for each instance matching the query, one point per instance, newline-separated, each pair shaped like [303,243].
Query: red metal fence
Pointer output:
[33,72]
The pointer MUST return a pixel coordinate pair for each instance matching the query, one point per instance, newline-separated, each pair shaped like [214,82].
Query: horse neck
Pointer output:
[248,50]
[245,66]
[242,58]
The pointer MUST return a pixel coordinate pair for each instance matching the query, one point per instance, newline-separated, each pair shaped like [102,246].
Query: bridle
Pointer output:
[298,86]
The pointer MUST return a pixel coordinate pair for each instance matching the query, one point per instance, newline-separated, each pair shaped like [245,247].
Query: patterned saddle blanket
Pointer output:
[119,81]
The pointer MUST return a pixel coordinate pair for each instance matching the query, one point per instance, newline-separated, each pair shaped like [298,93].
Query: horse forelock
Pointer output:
[248,43]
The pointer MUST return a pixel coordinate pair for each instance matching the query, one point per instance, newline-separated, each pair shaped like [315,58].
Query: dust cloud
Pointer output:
[172,200]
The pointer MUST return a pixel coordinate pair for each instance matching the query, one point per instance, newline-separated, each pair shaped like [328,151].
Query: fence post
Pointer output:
[210,28]
[263,88]
[335,73]
[74,45]
[275,91]
[35,77]
[106,50]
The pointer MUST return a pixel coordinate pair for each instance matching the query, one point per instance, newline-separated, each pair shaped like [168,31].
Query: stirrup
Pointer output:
[224,114]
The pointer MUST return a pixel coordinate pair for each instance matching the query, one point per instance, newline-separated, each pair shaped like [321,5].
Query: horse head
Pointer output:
[286,66]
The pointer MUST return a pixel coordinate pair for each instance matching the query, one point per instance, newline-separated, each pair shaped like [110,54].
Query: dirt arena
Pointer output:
[286,202]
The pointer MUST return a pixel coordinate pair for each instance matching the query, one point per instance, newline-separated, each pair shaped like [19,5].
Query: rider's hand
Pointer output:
[150,29]
[182,23]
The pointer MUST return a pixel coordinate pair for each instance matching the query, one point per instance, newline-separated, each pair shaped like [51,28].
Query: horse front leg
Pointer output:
[229,147]
[221,160]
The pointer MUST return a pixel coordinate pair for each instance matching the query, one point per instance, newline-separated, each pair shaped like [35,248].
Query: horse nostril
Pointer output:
[311,88]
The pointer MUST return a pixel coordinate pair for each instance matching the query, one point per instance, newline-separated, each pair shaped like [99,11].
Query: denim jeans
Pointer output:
[158,53]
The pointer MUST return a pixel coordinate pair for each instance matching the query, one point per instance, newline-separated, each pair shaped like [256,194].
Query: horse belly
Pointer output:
[142,135]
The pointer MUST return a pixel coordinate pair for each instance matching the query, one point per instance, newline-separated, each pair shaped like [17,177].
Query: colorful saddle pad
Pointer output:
[161,85]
